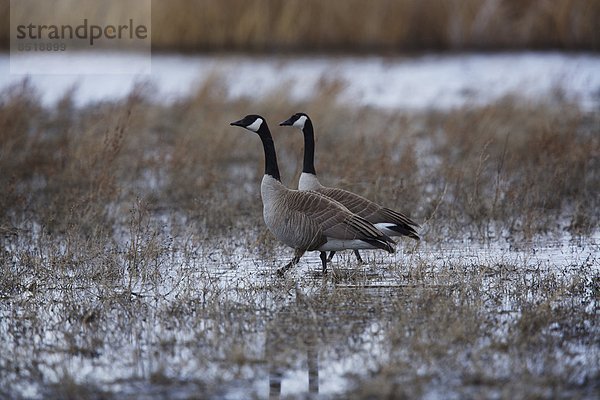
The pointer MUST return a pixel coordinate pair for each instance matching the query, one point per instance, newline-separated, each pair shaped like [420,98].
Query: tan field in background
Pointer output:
[358,25]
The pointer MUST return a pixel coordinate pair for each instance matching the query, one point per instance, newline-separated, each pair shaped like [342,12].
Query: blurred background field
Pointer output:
[357,26]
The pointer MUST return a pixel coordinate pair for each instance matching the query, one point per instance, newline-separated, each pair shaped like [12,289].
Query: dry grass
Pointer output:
[358,25]
[133,242]
[506,169]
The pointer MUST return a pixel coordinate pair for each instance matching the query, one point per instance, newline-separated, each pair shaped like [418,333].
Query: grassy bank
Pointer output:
[357,25]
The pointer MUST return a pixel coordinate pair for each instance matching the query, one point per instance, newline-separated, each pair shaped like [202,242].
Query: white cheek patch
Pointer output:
[300,122]
[255,126]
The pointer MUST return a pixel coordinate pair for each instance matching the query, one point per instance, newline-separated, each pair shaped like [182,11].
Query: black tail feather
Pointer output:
[399,218]
[405,230]
[386,244]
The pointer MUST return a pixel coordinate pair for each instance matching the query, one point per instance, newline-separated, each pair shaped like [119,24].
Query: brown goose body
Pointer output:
[308,221]
[390,222]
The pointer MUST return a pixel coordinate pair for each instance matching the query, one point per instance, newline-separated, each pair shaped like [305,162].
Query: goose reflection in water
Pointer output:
[293,333]
[276,374]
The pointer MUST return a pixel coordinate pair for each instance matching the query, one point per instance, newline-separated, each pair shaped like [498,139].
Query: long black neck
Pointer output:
[271,167]
[309,148]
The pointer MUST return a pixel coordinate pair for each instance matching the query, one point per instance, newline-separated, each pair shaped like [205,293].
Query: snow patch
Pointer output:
[431,81]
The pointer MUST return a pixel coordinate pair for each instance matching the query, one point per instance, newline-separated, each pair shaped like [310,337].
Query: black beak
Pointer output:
[238,123]
[287,122]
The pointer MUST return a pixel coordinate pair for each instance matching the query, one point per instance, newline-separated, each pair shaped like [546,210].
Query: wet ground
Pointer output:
[212,320]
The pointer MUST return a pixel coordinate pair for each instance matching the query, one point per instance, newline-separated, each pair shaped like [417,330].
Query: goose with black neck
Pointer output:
[390,222]
[308,221]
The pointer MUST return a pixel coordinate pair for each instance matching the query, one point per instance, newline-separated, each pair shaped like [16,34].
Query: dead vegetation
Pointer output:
[355,25]
[132,240]
[506,169]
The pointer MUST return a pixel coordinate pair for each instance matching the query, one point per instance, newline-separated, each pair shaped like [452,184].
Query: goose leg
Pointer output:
[324,261]
[330,256]
[297,255]
[358,257]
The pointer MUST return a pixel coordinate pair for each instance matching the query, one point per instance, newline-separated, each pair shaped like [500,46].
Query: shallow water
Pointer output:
[212,320]
[430,81]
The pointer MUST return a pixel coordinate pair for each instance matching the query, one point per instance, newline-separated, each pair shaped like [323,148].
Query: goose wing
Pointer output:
[368,209]
[355,203]
[332,219]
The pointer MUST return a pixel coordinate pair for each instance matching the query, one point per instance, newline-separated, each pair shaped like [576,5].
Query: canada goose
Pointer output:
[390,222]
[308,221]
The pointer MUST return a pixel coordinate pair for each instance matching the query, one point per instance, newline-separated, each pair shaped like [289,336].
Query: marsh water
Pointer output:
[213,320]
[416,83]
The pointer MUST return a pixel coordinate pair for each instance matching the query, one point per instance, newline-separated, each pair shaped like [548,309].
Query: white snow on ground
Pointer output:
[436,81]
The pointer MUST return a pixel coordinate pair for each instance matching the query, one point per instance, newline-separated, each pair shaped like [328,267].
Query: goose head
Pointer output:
[256,123]
[297,120]
[251,122]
